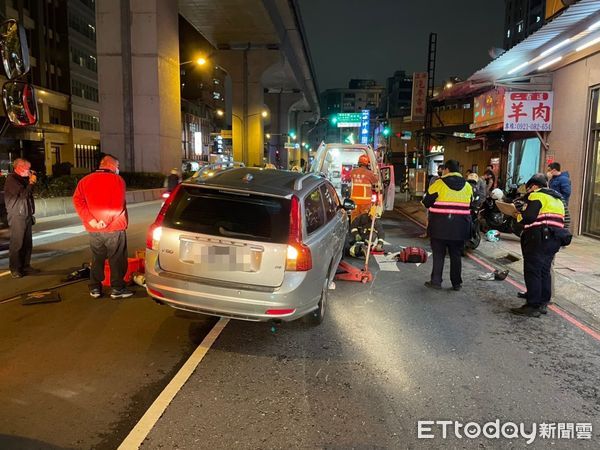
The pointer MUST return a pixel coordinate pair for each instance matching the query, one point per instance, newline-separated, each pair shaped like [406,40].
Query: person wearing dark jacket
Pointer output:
[99,200]
[20,208]
[448,200]
[559,181]
[543,216]
[172,180]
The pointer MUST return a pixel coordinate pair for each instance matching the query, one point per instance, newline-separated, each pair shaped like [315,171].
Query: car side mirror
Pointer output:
[348,204]
[20,105]
[14,49]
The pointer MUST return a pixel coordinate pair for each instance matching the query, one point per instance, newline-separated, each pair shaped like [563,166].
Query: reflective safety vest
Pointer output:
[552,212]
[450,201]
[362,185]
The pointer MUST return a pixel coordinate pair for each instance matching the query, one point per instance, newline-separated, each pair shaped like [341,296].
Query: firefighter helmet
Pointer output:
[363,160]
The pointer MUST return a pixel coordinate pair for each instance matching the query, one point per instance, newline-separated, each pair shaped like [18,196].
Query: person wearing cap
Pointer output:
[449,202]
[542,215]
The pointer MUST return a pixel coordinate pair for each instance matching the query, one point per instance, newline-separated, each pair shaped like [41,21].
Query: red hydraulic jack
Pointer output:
[348,272]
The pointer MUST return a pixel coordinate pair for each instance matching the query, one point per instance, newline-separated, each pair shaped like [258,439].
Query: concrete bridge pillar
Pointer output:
[139,87]
[279,103]
[246,67]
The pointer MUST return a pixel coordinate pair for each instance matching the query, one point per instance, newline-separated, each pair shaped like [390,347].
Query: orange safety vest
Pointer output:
[362,185]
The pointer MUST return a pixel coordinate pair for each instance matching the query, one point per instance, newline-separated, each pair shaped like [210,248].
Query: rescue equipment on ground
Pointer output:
[415,255]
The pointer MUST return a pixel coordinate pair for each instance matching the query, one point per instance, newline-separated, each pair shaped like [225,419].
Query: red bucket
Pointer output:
[133,265]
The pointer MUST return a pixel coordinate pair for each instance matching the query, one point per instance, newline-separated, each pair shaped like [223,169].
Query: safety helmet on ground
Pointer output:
[473,177]
[497,194]
[539,179]
[492,236]
[363,160]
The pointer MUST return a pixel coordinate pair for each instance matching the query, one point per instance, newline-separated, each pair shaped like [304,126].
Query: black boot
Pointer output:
[527,310]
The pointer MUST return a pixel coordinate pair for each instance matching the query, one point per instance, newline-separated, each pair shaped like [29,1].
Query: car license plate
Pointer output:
[220,257]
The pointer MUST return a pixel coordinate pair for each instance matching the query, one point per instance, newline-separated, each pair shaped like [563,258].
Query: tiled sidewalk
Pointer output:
[577,267]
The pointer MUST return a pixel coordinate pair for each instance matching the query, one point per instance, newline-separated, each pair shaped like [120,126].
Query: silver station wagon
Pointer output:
[247,243]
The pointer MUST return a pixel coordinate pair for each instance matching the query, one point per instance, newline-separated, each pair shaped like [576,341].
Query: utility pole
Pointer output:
[430,88]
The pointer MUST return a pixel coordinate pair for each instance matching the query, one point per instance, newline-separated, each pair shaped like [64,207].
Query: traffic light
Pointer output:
[387,131]
[292,134]
[333,120]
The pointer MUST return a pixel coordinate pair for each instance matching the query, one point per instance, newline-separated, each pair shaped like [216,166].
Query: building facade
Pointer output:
[522,18]
[396,99]
[360,94]
[83,75]
[61,37]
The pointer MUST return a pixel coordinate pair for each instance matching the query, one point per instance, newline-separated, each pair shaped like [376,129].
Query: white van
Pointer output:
[336,161]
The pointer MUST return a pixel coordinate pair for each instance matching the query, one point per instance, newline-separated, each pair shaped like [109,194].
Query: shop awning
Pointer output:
[563,35]
[519,67]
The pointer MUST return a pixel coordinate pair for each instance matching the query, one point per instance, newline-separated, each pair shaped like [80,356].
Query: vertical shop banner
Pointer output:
[528,111]
[419,95]
[365,119]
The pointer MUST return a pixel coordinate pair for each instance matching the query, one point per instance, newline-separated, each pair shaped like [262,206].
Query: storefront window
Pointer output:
[591,223]
[523,161]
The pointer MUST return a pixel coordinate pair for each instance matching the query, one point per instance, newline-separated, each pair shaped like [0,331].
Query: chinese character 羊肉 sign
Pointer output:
[528,111]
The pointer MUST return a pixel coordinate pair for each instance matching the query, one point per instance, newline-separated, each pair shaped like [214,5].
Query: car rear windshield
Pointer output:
[221,213]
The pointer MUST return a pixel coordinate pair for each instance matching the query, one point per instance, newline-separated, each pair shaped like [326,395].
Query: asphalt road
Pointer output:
[80,373]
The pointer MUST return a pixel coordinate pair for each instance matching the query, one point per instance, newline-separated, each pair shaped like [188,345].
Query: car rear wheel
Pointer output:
[316,317]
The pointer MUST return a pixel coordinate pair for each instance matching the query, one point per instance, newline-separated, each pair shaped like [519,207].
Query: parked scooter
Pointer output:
[473,242]
[491,218]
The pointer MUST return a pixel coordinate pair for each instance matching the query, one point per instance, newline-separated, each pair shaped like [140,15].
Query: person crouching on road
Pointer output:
[20,208]
[448,200]
[543,215]
[364,182]
[100,203]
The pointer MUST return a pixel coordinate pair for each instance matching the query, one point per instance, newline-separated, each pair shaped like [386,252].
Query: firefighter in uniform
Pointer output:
[448,199]
[360,231]
[363,184]
[543,215]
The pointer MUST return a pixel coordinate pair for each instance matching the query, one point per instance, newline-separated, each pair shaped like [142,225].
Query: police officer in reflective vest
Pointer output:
[543,215]
[363,183]
[448,199]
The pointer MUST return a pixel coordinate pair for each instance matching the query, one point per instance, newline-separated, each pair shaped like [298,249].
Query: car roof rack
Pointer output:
[299,181]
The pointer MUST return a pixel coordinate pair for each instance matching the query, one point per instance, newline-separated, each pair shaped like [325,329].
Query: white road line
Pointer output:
[137,435]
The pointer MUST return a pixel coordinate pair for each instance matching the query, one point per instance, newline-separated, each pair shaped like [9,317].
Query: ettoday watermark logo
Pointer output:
[444,429]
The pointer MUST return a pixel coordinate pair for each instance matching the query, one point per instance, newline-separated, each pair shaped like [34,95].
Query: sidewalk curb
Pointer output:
[587,317]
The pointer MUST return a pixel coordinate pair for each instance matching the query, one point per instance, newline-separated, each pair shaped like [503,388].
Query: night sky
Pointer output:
[373,38]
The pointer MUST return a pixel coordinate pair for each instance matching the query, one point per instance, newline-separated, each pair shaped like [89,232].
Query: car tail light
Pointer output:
[279,312]
[155,230]
[298,257]
[155,293]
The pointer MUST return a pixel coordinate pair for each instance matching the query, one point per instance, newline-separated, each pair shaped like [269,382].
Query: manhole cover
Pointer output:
[508,259]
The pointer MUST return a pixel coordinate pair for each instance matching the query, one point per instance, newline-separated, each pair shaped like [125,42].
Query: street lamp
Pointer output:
[264,113]
[200,61]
